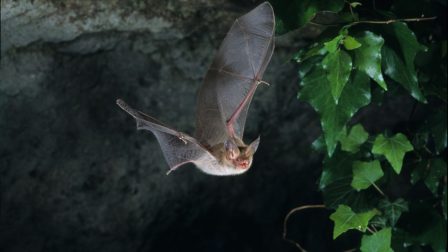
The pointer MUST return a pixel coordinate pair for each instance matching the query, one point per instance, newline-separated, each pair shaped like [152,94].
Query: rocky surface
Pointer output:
[75,175]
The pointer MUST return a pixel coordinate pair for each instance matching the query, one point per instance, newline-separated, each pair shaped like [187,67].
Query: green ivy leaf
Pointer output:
[355,95]
[336,168]
[438,129]
[338,65]
[420,139]
[355,4]
[424,226]
[409,45]
[307,9]
[335,184]
[393,210]
[395,68]
[379,221]
[420,171]
[295,14]
[444,201]
[393,149]
[368,57]
[315,50]
[318,144]
[345,219]
[434,234]
[437,170]
[431,171]
[308,65]
[377,242]
[351,141]
[350,43]
[333,45]
[366,174]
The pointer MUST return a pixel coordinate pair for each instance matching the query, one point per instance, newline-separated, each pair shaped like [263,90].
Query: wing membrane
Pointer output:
[178,148]
[233,76]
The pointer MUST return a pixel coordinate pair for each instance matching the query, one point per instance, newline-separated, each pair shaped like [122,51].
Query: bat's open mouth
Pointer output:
[243,164]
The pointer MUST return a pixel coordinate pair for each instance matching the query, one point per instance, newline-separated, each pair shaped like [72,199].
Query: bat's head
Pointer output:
[241,157]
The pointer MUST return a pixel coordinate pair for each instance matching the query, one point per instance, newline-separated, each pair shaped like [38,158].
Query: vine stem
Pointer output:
[285,222]
[370,230]
[351,9]
[381,22]
[390,21]
[379,190]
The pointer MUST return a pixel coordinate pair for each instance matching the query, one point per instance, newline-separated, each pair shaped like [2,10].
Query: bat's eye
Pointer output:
[233,154]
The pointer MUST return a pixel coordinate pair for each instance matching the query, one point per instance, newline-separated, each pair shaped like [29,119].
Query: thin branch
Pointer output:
[370,230]
[427,150]
[380,22]
[351,9]
[285,222]
[295,244]
[327,25]
[379,190]
[390,21]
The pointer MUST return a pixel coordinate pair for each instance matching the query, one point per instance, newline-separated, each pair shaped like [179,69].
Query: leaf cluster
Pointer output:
[364,54]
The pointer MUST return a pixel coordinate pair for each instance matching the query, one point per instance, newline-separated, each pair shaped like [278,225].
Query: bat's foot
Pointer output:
[182,138]
[263,82]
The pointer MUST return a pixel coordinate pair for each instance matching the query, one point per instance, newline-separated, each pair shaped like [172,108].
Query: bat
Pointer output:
[222,102]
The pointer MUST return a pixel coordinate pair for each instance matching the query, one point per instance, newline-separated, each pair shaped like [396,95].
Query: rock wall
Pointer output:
[75,175]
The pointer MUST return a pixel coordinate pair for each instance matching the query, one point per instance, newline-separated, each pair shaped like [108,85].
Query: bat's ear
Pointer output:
[252,148]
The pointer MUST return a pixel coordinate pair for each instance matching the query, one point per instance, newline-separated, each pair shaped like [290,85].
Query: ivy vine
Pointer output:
[389,183]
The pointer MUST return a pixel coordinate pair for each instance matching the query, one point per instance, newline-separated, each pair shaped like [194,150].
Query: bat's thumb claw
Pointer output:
[264,82]
[182,138]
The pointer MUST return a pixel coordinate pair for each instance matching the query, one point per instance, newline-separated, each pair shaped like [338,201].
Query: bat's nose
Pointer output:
[243,164]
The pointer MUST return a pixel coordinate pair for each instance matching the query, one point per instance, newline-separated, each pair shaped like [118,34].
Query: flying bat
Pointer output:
[223,101]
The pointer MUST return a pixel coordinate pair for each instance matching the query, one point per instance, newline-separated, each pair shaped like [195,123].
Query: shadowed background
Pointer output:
[75,175]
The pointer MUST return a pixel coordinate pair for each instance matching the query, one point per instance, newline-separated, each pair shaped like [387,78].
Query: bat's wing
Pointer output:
[228,88]
[178,148]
